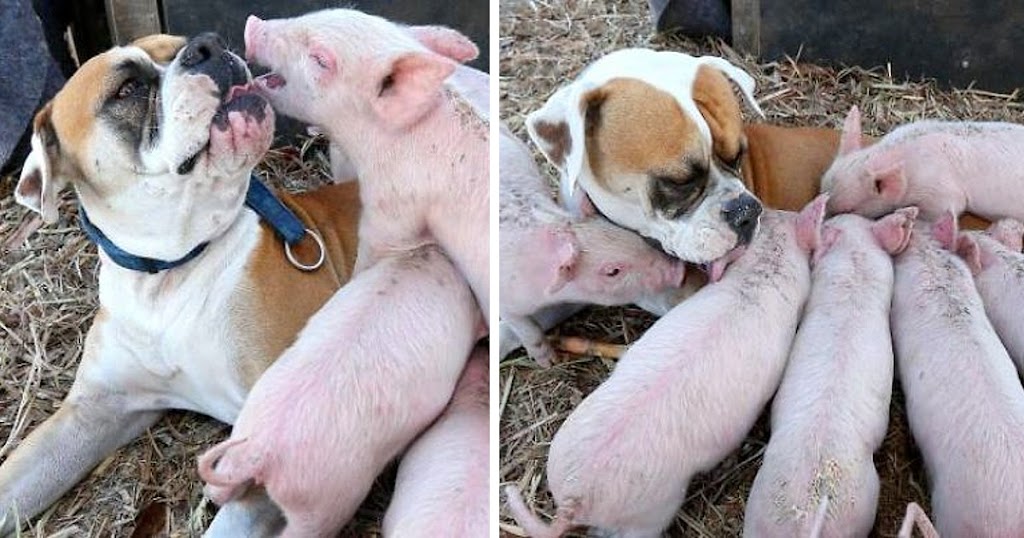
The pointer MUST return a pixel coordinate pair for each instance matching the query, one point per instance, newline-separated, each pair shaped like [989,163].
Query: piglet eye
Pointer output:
[386,84]
[878,186]
[612,271]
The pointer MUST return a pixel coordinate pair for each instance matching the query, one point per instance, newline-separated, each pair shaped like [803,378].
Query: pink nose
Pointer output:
[253,35]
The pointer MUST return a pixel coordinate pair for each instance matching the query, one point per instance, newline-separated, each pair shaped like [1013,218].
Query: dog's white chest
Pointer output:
[169,336]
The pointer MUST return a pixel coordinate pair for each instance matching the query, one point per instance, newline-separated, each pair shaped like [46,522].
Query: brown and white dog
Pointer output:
[158,139]
[655,139]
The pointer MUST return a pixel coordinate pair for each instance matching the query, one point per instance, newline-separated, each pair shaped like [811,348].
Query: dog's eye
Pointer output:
[132,87]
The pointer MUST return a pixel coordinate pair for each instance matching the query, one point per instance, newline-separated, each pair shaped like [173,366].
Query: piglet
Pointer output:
[685,394]
[832,409]
[548,257]
[442,487]
[964,402]
[419,144]
[935,165]
[369,371]
[997,263]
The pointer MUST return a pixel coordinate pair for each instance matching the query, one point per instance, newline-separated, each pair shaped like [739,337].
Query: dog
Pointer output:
[198,295]
[655,140]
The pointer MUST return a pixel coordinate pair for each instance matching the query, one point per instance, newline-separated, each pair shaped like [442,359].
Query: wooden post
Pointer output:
[746,26]
[132,19]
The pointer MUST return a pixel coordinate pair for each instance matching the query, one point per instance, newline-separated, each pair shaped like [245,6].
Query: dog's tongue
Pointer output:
[718,267]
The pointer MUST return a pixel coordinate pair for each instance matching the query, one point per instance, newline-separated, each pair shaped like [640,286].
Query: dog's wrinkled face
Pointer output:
[158,138]
[648,160]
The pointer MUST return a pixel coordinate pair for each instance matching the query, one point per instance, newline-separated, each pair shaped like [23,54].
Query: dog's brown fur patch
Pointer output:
[635,128]
[74,108]
[333,211]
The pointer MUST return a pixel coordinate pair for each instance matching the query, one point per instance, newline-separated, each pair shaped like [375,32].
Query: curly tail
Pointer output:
[819,517]
[530,523]
[916,515]
[222,486]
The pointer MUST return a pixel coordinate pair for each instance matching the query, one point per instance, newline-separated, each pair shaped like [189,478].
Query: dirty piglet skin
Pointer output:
[964,402]
[685,394]
[394,102]
[442,487]
[995,258]
[937,166]
[549,257]
[832,409]
[326,417]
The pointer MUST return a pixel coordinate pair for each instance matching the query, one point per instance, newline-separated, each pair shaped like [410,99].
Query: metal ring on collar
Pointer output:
[300,266]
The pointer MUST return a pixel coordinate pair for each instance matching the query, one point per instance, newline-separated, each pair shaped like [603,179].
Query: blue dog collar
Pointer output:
[258,197]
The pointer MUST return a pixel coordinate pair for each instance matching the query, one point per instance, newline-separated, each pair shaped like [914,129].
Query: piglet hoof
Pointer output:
[575,345]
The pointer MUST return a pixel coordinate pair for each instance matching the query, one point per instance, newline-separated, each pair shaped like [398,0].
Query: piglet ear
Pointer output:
[829,236]
[411,87]
[1009,232]
[893,230]
[850,140]
[446,42]
[886,172]
[967,248]
[565,253]
[808,224]
[944,230]
[39,185]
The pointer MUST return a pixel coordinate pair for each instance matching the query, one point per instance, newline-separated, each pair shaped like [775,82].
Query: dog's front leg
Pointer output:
[63,449]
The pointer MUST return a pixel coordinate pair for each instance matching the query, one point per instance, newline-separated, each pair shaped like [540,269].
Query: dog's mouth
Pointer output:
[242,98]
[716,268]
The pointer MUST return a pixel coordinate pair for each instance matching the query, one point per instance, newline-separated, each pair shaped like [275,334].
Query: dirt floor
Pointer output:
[544,45]
[47,302]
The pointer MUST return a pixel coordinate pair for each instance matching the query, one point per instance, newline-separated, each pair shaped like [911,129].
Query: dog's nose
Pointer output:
[201,49]
[741,215]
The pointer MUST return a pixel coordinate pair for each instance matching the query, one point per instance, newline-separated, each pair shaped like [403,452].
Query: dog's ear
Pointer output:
[559,129]
[162,48]
[714,98]
[446,42]
[741,78]
[410,87]
[40,183]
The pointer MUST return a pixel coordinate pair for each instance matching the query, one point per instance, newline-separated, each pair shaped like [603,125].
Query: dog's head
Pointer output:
[655,139]
[158,139]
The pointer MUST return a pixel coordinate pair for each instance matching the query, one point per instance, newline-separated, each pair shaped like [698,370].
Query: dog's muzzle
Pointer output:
[207,54]
[741,214]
